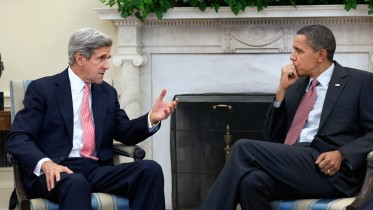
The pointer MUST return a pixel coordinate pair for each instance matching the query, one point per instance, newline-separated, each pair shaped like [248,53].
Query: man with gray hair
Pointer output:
[64,135]
[317,133]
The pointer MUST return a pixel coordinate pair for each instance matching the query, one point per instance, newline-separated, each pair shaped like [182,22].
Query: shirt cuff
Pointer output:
[37,169]
[151,126]
[276,104]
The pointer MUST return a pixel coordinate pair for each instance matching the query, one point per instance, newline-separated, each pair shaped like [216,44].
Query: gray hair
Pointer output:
[319,37]
[86,40]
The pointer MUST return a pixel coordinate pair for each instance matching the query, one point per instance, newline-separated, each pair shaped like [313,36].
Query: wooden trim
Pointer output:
[4,120]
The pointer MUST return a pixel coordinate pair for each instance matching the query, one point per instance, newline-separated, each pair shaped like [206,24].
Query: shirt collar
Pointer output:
[325,77]
[76,83]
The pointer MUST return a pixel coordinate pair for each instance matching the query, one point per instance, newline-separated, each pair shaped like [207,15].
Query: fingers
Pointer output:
[169,109]
[161,110]
[53,172]
[163,93]
[288,77]
[289,70]
[329,172]
[320,158]
[173,105]
[50,181]
[329,162]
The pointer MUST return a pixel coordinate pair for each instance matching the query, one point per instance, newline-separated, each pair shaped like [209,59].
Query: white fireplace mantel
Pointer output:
[190,13]
[190,51]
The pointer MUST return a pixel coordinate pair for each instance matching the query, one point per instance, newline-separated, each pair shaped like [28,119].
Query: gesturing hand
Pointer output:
[53,172]
[161,110]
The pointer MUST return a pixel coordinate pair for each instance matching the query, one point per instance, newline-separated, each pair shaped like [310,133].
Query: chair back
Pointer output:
[17,93]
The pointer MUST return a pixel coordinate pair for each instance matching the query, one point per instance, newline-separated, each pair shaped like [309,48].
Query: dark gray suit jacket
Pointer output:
[346,122]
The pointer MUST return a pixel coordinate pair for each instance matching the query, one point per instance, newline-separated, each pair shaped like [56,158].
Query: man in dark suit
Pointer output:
[48,134]
[327,156]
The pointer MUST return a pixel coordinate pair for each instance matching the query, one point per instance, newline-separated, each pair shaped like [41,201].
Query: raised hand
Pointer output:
[288,78]
[161,110]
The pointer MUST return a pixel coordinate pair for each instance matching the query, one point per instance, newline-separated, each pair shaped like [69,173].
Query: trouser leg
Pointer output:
[290,167]
[71,192]
[223,193]
[75,193]
[255,186]
[142,181]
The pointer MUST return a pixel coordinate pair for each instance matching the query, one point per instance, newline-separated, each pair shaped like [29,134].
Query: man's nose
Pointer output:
[106,65]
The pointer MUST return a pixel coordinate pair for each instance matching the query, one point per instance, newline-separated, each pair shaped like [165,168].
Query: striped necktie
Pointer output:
[88,127]
[302,113]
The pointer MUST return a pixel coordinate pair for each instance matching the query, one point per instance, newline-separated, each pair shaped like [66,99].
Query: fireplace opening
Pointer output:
[203,127]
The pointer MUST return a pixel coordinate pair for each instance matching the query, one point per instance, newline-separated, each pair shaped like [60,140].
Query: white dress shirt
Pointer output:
[312,124]
[77,90]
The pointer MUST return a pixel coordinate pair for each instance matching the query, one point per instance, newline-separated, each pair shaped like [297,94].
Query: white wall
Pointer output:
[34,35]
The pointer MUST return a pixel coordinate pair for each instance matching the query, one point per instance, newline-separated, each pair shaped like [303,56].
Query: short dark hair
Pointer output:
[319,37]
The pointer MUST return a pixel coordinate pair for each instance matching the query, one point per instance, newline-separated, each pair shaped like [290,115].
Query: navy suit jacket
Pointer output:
[346,122]
[44,127]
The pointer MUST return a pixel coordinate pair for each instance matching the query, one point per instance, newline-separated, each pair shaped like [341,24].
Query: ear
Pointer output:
[79,59]
[322,55]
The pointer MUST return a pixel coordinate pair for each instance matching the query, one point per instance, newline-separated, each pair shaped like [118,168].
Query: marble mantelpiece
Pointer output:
[193,52]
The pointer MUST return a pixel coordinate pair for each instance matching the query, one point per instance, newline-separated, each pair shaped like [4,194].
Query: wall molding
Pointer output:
[190,13]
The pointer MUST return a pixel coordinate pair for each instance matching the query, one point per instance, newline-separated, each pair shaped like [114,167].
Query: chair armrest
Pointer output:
[22,198]
[367,185]
[135,151]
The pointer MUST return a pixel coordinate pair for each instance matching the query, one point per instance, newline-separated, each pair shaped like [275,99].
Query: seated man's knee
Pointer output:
[75,180]
[151,166]
[239,142]
[240,145]
[255,181]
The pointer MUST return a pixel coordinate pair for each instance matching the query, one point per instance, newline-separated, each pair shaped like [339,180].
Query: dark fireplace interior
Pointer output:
[200,127]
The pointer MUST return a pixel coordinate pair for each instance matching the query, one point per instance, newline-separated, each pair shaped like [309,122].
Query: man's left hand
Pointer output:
[161,110]
[330,162]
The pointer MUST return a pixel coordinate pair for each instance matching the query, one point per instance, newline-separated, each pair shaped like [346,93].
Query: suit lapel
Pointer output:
[336,85]
[98,109]
[63,96]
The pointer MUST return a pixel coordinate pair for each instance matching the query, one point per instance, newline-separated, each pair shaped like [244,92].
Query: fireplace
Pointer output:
[202,129]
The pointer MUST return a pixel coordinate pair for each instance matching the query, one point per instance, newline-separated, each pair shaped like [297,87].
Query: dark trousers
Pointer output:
[258,172]
[141,181]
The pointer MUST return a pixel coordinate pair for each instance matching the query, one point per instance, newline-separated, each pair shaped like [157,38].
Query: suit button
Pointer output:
[61,158]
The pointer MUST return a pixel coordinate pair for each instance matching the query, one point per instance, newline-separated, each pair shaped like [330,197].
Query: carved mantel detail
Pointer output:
[255,38]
